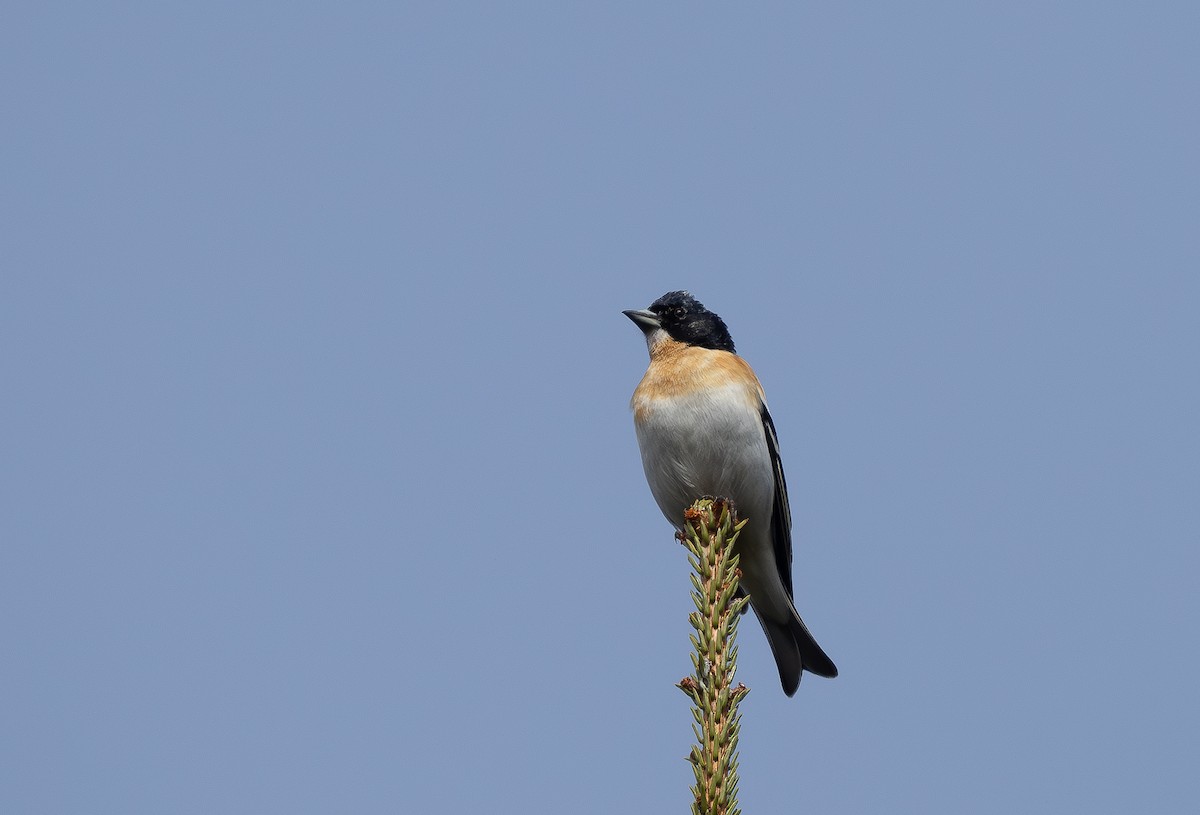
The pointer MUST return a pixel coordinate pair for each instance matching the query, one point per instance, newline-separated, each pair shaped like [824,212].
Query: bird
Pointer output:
[703,429]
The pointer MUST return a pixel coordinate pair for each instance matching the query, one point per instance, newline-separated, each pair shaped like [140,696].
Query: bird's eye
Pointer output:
[680,312]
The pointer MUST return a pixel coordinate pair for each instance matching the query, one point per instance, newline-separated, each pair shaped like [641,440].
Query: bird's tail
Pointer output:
[795,651]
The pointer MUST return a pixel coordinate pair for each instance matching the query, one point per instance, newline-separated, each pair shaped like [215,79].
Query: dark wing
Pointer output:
[781,515]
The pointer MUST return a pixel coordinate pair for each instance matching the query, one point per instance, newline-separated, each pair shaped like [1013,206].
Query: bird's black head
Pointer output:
[685,319]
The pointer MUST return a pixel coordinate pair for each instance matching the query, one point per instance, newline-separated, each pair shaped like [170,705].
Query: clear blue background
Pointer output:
[319,488]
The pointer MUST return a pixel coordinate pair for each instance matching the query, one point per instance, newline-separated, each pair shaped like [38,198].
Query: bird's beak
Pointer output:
[644,319]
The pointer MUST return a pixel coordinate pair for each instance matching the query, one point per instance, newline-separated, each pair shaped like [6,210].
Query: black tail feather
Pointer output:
[796,651]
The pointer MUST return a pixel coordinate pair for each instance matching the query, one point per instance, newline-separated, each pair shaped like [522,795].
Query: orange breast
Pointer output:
[679,370]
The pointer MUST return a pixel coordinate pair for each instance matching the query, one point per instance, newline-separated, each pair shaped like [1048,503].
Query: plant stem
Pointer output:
[710,533]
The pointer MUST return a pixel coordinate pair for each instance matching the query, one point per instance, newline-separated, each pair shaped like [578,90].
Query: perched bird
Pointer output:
[703,429]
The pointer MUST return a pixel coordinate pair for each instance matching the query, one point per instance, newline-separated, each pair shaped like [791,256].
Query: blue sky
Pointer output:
[320,491]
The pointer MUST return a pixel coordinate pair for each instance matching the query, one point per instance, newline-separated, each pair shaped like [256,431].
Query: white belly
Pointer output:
[708,444]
